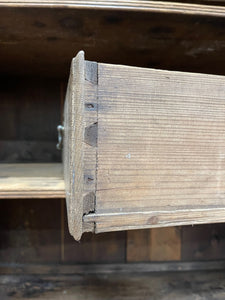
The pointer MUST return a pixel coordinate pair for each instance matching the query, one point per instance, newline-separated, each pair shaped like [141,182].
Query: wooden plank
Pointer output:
[160,141]
[203,242]
[138,244]
[165,244]
[153,39]
[182,285]
[24,151]
[151,219]
[159,130]
[29,117]
[30,231]
[79,149]
[31,181]
[102,248]
[113,268]
[148,6]
[156,244]
[73,145]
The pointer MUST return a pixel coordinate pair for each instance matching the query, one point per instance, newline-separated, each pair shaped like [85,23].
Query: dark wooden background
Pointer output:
[37,47]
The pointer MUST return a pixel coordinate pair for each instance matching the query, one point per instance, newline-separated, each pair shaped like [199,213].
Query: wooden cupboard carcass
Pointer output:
[41,38]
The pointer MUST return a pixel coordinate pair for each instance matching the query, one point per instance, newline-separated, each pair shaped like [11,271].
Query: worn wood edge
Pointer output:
[90,140]
[73,146]
[53,269]
[34,194]
[33,180]
[153,219]
[148,6]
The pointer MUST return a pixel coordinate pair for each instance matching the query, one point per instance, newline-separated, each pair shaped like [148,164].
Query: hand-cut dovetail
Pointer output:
[91,134]
[91,72]
[89,203]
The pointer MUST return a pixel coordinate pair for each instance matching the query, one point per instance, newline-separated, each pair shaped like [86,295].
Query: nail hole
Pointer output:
[89,106]
[88,179]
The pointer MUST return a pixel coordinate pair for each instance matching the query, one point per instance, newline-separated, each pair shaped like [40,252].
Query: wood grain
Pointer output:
[156,244]
[165,244]
[31,181]
[104,285]
[160,149]
[203,242]
[29,114]
[34,38]
[30,231]
[148,6]
[114,268]
[138,245]
[95,248]
[73,162]
[155,219]
[79,145]
[160,139]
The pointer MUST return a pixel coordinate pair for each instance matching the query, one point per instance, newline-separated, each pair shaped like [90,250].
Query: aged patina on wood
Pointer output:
[143,148]
[79,149]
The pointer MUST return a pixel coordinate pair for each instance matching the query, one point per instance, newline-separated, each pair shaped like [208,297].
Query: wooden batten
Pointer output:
[79,149]
[151,148]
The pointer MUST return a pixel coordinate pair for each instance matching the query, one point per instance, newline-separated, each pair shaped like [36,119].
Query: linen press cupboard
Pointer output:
[141,148]
[117,192]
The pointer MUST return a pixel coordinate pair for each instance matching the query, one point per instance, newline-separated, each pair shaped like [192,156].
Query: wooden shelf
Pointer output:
[149,6]
[41,180]
[98,282]
[139,33]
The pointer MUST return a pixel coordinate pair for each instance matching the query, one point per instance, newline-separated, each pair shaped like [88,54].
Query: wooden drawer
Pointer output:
[116,188]
[142,147]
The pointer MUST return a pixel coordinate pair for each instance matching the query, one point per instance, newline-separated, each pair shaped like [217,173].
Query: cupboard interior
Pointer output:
[37,45]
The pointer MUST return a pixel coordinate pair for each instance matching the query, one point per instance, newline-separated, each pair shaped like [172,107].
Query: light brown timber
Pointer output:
[79,145]
[161,147]
[155,219]
[36,180]
[127,5]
